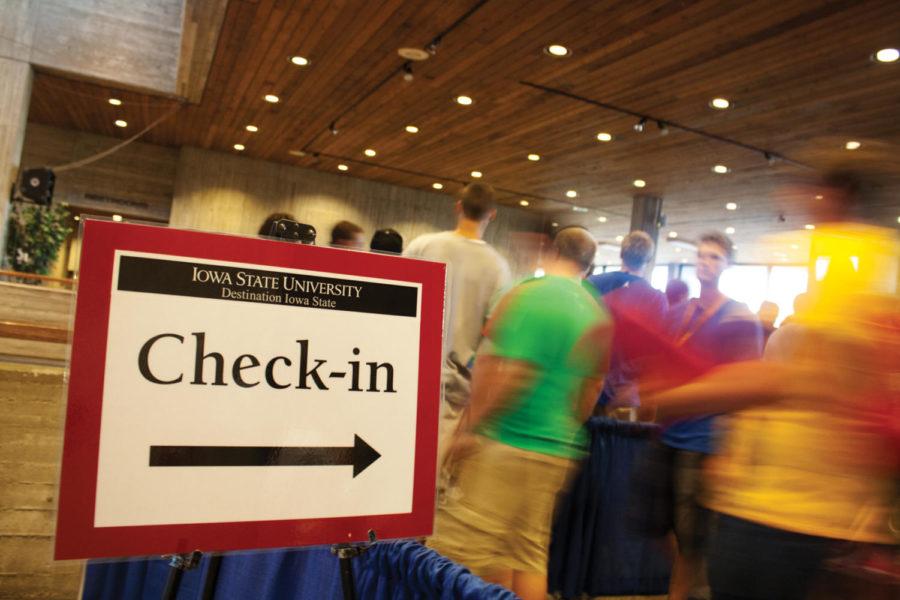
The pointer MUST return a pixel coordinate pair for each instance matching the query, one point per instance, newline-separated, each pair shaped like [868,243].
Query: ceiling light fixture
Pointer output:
[557,50]
[475,174]
[523,202]
[332,127]
[252,128]
[663,127]
[369,152]
[887,55]
[300,61]
[639,183]
[720,103]
[673,234]
[413,54]
[619,238]
[121,123]
[437,186]
[271,98]
[239,147]
[720,169]
[296,152]
[731,206]
[115,101]
[809,226]
[464,100]
[604,137]
[408,73]
[819,196]
[343,168]
[602,219]
[729,230]
[534,157]
[555,224]
[412,129]
[571,194]
[852,145]
[117,218]
[771,159]
[639,126]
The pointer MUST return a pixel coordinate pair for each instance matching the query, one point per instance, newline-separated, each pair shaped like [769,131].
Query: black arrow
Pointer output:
[360,455]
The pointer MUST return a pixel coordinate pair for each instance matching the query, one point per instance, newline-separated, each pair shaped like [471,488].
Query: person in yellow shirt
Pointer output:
[809,457]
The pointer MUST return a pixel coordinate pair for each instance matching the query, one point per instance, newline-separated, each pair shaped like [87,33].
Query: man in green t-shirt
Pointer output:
[535,381]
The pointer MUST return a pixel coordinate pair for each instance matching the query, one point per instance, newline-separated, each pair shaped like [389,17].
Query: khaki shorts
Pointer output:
[499,514]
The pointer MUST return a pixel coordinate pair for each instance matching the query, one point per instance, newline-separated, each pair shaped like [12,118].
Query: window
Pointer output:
[660,277]
[785,284]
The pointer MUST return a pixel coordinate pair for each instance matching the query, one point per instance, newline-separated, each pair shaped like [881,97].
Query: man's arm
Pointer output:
[496,381]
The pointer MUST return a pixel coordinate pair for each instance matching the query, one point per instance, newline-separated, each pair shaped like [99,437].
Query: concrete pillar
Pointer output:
[15,94]
[646,213]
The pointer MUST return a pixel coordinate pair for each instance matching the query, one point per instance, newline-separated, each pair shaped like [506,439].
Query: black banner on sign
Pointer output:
[188,278]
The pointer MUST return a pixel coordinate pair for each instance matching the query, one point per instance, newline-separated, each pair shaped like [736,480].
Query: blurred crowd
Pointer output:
[776,467]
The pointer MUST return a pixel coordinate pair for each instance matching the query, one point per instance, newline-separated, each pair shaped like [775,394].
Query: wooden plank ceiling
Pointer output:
[798,74]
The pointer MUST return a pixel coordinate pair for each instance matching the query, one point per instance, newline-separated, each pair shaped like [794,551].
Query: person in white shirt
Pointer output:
[476,273]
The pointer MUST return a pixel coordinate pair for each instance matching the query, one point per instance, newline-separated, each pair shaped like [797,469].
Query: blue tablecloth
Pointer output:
[387,571]
[593,550]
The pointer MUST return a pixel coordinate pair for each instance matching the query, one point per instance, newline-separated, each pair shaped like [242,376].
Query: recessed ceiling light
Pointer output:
[369,152]
[898,219]
[729,230]
[238,147]
[602,219]
[720,103]
[343,168]
[556,50]
[115,101]
[720,169]
[413,53]
[604,137]
[252,128]
[619,238]
[77,218]
[121,123]
[437,186]
[673,234]
[534,157]
[475,174]
[809,226]
[117,218]
[296,152]
[300,61]
[555,224]
[571,194]
[639,183]
[464,100]
[523,202]
[731,206]
[819,196]
[412,129]
[271,98]
[887,55]
[852,145]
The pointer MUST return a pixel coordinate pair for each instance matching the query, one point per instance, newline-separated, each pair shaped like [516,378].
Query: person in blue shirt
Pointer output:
[638,313]
[714,330]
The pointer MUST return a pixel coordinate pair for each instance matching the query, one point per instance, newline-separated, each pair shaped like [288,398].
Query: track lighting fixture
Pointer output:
[332,127]
[639,126]
[407,73]
[771,159]
[433,46]
[663,127]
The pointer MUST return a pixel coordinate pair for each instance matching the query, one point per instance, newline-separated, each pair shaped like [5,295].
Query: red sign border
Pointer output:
[76,536]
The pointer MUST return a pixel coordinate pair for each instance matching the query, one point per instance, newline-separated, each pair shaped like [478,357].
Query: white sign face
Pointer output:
[249,405]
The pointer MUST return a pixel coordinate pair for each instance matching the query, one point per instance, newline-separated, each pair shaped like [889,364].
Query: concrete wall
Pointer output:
[132,43]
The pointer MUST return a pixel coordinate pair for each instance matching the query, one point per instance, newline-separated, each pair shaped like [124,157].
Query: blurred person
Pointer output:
[346,234]
[635,308]
[715,330]
[535,381]
[767,315]
[387,240]
[811,455]
[677,292]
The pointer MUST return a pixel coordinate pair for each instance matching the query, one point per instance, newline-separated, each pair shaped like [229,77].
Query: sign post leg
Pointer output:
[178,564]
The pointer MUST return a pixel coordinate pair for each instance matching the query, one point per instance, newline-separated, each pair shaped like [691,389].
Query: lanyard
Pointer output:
[688,329]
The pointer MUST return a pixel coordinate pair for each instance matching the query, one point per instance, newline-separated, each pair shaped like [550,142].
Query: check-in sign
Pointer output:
[234,393]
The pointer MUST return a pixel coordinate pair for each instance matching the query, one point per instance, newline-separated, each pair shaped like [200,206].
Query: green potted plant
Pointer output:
[35,235]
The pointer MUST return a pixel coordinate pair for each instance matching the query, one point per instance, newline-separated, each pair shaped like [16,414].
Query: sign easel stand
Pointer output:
[178,564]
[345,554]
